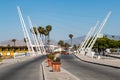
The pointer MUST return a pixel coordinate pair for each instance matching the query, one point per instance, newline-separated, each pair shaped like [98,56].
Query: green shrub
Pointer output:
[51,56]
[112,50]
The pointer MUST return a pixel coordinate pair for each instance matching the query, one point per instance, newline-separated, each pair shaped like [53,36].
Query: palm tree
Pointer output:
[48,28]
[46,34]
[14,40]
[25,40]
[71,36]
[35,30]
[74,47]
[61,43]
[40,30]
[66,45]
[113,36]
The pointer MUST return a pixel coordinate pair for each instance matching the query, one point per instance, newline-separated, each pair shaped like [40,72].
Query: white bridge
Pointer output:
[85,47]
[90,39]
[38,43]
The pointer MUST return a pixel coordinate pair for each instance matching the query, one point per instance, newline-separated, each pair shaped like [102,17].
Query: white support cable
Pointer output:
[84,46]
[100,29]
[92,38]
[80,48]
[42,46]
[92,32]
[33,34]
[34,40]
[88,39]
[25,30]
[39,43]
[35,37]
[24,33]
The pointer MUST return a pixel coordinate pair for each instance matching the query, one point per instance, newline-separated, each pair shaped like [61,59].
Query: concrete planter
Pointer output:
[56,66]
[49,62]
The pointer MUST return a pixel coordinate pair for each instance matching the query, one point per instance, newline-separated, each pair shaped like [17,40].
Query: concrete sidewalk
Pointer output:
[62,75]
[110,61]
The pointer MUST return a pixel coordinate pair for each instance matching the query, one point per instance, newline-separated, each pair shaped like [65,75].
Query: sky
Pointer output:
[65,16]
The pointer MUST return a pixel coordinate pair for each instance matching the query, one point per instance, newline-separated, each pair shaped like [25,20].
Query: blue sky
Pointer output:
[66,17]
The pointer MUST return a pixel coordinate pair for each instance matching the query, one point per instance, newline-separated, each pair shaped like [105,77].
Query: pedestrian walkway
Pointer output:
[62,75]
[102,60]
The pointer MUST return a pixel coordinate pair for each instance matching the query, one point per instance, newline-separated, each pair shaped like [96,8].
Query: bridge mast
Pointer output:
[83,43]
[37,39]
[100,29]
[34,36]
[26,35]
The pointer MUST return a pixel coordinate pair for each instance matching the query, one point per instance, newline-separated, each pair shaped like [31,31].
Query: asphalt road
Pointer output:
[89,71]
[28,70]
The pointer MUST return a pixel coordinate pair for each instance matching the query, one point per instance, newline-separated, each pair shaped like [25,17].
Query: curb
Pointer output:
[44,75]
[97,63]
[43,71]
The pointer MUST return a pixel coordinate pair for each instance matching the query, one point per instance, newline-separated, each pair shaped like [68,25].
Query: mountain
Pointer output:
[53,42]
[9,42]
[20,43]
[78,40]
[114,37]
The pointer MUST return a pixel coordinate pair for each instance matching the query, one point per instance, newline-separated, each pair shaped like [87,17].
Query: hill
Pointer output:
[19,43]
[10,43]
[78,40]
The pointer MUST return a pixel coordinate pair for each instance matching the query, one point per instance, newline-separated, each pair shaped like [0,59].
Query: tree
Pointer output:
[46,34]
[14,40]
[48,28]
[71,36]
[74,47]
[41,30]
[34,30]
[113,36]
[25,40]
[61,43]
[66,45]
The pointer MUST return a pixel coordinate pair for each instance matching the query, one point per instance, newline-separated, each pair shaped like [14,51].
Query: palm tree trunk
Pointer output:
[71,41]
[14,44]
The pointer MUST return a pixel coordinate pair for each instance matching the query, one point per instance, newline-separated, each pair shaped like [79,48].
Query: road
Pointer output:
[89,71]
[28,70]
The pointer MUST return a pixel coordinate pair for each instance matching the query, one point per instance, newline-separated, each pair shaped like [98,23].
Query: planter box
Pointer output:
[46,60]
[49,62]
[56,66]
